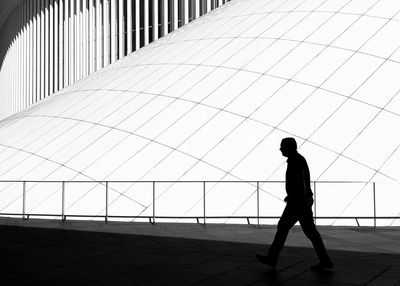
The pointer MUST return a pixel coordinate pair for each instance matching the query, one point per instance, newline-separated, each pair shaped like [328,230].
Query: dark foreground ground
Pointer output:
[37,252]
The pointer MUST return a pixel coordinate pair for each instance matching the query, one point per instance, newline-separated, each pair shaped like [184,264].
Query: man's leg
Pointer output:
[286,222]
[310,230]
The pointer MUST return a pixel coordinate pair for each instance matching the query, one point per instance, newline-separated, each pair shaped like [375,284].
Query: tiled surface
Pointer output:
[37,252]
[212,101]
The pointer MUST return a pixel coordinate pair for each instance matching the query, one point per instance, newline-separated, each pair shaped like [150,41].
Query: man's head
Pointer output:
[288,146]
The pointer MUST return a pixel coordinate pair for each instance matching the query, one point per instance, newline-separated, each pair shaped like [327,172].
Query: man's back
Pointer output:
[298,179]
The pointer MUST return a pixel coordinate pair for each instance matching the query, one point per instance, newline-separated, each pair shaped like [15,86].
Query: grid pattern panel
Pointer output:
[212,100]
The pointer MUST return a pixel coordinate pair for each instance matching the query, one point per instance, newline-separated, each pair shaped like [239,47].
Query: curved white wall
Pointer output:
[212,101]
[46,45]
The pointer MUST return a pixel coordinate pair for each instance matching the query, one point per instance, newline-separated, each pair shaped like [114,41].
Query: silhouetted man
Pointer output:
[299,200]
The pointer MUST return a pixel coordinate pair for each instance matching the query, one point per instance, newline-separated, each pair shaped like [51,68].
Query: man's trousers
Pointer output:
[297,212]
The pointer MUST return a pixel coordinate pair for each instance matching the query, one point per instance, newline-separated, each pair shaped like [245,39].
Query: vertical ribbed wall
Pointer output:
[46,45]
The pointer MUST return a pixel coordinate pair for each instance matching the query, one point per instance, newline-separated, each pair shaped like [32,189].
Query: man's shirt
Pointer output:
[298,186]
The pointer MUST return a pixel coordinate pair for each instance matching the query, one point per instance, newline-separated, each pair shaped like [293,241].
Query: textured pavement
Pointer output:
[48,252]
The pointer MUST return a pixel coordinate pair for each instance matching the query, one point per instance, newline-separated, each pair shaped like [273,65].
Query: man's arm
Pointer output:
[307,184]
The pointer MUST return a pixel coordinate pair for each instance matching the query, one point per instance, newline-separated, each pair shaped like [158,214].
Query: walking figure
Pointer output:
[299,201]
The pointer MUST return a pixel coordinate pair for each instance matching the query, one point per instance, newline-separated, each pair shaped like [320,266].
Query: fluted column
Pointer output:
[129,26]
[76,35]
[106,43]
[46,49]
[11,78]
[29,49]
[14,69]
[137,24]
[79,40]
[61,44]
[42,62]
[113,37]
[35,52]
[51,47]
[17,56]
[71,42]
[165,18]
[85,38]
[24,57]
[155,20]
[146,22]
[66,43]
[99,46]
[27,101]
[197,8]
[20,55]
[185,12]
[175,15]
[121,30]
[56,62]
[92,49]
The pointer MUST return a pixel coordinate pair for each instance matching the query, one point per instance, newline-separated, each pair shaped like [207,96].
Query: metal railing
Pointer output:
[152,218]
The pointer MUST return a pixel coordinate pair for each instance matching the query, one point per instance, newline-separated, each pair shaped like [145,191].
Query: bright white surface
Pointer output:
[211,101]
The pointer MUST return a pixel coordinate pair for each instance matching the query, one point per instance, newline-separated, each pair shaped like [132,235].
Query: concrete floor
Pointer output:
[47,252]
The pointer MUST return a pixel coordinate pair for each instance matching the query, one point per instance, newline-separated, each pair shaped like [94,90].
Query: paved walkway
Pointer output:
[43,252]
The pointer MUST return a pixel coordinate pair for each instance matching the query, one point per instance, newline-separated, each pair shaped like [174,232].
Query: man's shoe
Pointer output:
[322,266]
[266,260]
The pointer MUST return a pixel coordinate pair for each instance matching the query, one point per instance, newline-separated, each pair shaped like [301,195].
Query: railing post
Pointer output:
[62,201]
[204,203]
[315,202]
[258,204]
[154,202]
[23,199]
[373,189]
[106,216]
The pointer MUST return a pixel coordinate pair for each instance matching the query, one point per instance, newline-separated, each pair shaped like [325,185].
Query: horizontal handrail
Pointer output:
[193,217]
[172,181]
[152,218]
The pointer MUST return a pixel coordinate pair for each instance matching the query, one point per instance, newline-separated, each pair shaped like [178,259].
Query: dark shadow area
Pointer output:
[38,256]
